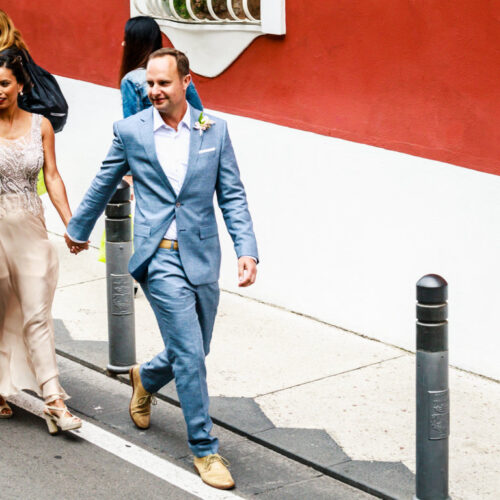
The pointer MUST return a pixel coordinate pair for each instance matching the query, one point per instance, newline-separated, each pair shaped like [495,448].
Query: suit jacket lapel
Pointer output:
[148,141]
[195,142]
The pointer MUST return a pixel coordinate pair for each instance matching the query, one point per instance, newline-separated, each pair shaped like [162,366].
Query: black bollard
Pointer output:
[433,399]
[121,320]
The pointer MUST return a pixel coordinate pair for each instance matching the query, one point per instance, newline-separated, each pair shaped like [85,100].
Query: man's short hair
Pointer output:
[180,58]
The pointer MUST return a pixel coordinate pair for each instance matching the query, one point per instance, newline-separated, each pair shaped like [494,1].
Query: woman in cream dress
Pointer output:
[28,261]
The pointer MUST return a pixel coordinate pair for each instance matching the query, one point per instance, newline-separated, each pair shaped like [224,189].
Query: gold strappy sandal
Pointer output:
[65,421]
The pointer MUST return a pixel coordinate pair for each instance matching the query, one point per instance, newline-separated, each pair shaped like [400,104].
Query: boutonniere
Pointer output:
[203,123]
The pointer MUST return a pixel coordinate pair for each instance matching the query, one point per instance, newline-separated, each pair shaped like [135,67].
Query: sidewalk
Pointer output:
[338,402]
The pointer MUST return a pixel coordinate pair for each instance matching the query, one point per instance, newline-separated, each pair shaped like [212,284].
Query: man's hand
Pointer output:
[247,271]
[75,247]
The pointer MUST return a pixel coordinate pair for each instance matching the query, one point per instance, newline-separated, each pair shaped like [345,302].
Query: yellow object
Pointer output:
[40,184]
[102,248]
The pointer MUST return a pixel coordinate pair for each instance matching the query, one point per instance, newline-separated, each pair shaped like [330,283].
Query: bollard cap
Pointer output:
[122,193]
[432,289]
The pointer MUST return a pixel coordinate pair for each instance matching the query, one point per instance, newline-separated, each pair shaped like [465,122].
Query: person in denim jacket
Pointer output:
[142,37]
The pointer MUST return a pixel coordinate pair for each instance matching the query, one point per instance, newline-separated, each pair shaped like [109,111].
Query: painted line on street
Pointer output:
[135,455]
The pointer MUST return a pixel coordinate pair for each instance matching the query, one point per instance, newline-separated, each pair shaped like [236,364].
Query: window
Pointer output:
[213,33]
[213,10]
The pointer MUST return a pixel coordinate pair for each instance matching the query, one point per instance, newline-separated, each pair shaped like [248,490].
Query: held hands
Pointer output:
[247,271]
[75,247]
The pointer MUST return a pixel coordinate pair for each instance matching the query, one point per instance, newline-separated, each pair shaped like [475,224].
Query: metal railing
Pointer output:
[202,11]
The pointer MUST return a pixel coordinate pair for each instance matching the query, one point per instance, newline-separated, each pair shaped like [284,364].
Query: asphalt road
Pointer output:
[111,459]
[34,464]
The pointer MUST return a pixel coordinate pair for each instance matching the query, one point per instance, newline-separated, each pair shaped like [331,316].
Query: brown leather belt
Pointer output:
[169,244]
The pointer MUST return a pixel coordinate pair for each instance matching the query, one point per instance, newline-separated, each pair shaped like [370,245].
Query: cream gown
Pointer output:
[28,273]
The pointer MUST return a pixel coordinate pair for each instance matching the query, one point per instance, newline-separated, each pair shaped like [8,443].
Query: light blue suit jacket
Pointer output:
[212,167]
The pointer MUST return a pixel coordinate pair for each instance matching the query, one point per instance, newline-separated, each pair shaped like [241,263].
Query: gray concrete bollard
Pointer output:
[121,319]
[433,400]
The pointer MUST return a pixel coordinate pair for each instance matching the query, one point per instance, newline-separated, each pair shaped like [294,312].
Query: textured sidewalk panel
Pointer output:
[393,479]
[311,445]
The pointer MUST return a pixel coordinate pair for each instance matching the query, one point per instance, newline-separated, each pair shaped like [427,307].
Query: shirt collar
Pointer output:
[158,120]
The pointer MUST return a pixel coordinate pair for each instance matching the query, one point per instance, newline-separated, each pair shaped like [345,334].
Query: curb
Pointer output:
[340,470]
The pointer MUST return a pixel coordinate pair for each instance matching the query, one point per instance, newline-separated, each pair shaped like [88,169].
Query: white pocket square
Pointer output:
[208,150]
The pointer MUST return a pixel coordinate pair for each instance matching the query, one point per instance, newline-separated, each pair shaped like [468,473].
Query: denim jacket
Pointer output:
[134,90]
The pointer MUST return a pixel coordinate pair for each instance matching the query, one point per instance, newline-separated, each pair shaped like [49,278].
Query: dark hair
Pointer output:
[14,59]
[180,58]
[142,36]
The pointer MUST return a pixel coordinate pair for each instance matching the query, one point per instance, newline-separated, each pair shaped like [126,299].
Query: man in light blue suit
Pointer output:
[178,159]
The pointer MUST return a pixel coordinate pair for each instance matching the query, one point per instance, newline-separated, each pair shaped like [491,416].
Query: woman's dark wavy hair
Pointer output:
[142,36]
[15,59]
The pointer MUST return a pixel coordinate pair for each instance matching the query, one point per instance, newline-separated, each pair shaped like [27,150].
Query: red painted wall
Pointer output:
[421,77]
[75,38]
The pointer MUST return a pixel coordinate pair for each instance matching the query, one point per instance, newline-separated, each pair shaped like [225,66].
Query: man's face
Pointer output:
[166,89]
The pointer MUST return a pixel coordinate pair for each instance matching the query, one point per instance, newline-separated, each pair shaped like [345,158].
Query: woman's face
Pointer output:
[9,88]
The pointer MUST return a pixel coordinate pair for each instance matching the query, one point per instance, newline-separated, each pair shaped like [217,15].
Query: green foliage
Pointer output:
[180,7]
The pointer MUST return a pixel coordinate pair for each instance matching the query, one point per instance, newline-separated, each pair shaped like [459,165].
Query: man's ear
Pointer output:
[186,81]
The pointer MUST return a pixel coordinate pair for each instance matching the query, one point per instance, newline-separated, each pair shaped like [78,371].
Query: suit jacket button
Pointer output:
[178,204]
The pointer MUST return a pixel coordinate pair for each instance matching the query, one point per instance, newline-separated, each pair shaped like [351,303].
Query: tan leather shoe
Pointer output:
[140,403]
[214,472]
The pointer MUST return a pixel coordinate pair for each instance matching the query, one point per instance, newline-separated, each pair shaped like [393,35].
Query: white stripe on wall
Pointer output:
[345,230]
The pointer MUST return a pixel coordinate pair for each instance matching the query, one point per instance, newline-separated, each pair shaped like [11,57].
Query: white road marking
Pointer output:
[133,454]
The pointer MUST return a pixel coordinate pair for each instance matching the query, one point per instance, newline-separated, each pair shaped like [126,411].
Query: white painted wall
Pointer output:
[83,144]
[345,230]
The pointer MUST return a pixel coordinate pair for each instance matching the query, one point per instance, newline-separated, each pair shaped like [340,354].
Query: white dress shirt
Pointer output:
[172,150]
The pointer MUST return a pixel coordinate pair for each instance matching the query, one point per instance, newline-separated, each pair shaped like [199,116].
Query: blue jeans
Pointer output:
[185,315]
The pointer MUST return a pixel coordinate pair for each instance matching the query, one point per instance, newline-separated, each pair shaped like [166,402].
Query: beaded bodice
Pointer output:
[20,162]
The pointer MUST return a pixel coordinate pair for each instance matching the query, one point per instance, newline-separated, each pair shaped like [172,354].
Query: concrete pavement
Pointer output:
[333,400]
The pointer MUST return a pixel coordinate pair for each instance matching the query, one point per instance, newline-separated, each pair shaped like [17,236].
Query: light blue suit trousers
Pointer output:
[186,315]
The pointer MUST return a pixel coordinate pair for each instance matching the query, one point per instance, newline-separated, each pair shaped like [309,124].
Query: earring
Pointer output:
[21,93]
